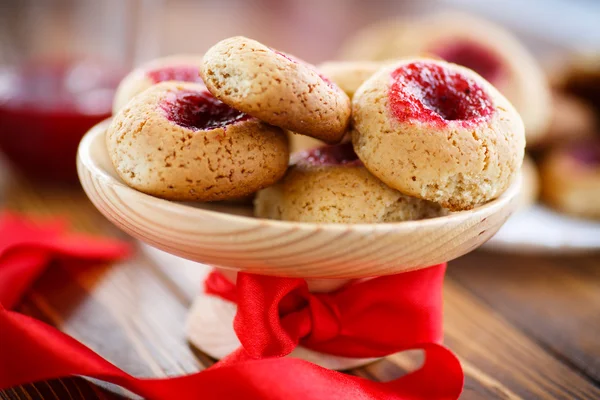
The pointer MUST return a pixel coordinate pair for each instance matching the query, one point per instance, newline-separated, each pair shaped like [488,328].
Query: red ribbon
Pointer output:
[373,318]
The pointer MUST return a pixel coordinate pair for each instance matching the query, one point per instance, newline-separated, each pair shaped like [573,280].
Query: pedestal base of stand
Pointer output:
[210,329]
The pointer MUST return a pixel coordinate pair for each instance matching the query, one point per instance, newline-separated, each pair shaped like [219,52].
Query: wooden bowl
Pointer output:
[227,235]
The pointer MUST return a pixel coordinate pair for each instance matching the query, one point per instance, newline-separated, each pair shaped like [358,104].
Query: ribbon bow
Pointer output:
[368,319]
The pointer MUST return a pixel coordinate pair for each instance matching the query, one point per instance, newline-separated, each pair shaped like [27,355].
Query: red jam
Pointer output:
[430,93]
[339,154]
[46,106]
[587,153]
[474,56]
[180,73]
[201,111]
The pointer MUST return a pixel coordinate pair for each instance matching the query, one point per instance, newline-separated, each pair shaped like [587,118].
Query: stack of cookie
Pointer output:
[569,154]
[404,140]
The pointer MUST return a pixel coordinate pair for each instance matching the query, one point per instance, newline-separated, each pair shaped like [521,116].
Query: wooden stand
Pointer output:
[325,254]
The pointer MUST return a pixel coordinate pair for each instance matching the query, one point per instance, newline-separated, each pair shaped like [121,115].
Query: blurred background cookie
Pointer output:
[571,179]
[180,68]
[349,75]
[572,119]
[530,185]
[582,78]
[473,42]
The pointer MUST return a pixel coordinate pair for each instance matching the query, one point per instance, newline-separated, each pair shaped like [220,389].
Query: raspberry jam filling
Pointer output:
[587,153]
[200,111]
[430,93]
[182,73]
[339,154]
[474,56]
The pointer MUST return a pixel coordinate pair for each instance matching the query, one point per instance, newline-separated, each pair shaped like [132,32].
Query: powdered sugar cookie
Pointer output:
[276,88]
[437,131]
[330,184]
[181,68]
[176,141]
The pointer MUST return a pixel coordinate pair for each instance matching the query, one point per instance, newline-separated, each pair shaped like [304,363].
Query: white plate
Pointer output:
[538,229]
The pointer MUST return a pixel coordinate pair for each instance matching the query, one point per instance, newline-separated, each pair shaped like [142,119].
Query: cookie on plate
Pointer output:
[530,187]
[176,141]
[480,45]
[572,120]
[276,88]
[349,75]
[301,142]
[570,178]
[330,185]
[582,79]
[181,68]
[437,131]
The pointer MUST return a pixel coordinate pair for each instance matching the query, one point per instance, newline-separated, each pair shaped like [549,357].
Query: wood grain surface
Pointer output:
[523,327]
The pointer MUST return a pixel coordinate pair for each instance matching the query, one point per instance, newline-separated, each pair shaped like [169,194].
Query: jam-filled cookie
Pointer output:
[301,142]
[181,68]
[437,131]
[582,79]
[530,186]
[571,179]
[276,88]
[572,119]
[349,75]
[330,185]
[480,45]
[176,141]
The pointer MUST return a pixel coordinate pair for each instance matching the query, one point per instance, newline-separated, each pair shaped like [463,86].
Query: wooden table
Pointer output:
[523,327]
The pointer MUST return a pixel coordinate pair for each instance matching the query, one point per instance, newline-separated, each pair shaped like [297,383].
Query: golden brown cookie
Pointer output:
[181,68]
[276,88]
[582,79]
[330,185]
[349,75]
[530,187]
[301,142]
[437,131]
[480,45]
[178,142]
[572,119]
[570,178]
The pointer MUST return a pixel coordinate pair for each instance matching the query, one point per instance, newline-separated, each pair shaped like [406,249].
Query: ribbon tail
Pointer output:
[33,351]
[18,271]
[441,377]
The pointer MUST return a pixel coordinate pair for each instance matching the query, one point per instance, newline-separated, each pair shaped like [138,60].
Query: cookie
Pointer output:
[330,185]
[480,45]
[181,68]
[349,75]
[437,131]
[572,120]
[582,79]
[177,142]
[570,178]
[301,142]
[530,186]
[276,88]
